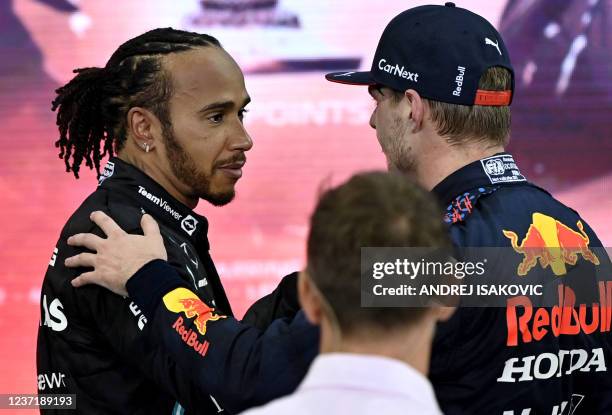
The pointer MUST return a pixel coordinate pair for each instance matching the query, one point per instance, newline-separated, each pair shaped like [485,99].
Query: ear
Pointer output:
[417,109]
[309,298]
[144,127]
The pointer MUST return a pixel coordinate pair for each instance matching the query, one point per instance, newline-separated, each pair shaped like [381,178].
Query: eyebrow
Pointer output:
[224,105]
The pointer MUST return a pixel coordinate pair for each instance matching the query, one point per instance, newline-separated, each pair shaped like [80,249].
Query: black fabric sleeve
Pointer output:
[149,284]
[199,353]
[281,303]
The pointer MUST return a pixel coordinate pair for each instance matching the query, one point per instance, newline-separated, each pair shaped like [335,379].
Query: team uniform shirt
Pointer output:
[523,359]
[93,343]
[354,384]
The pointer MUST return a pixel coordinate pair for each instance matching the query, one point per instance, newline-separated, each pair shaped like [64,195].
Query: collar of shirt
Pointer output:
[370,374]
[497,170]
[119,176]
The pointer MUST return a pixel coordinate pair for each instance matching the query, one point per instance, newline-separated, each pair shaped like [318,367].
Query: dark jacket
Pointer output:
[512,360]
[93,343]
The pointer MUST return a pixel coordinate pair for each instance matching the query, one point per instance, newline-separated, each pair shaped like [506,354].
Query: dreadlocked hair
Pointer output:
[92,107]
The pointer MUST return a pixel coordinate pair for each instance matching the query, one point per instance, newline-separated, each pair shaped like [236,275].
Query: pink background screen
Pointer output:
[307,132]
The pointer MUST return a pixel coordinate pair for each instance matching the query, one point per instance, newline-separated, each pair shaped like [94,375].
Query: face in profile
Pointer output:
[206,142]
[391,125]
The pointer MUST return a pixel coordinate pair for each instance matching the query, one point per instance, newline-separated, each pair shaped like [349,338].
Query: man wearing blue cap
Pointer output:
[443,83]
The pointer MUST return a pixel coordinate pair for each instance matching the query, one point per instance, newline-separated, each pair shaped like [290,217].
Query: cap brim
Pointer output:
[351,78]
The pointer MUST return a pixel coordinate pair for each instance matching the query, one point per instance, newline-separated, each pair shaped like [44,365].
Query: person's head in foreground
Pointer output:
[442,82]
[169,102]
[370,357]
[370,210]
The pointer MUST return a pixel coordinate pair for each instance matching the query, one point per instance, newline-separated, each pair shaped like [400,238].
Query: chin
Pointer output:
[220,198]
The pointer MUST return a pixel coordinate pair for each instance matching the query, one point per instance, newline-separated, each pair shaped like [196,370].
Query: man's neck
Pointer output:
[411,346]
[443,160]
[157,174]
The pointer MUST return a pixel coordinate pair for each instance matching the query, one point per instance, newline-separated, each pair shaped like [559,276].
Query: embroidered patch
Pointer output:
[463,205]
[502,169]
[109,169]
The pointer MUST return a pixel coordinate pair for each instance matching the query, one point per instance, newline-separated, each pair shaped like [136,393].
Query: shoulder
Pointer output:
[56,284]
[514,209]
[126,215]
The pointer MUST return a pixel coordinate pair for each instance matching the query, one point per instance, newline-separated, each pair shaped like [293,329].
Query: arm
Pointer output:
[192,351]
[90,336]
[239,365]
[281,303]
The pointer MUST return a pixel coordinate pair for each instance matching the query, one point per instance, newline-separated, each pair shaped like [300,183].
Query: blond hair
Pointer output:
[477,123]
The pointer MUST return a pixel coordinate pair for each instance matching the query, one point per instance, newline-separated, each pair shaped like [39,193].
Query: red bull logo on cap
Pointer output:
[552,243]
[181,300]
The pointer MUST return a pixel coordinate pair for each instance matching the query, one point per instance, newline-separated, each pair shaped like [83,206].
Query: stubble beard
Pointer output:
[185,169]
[400,157]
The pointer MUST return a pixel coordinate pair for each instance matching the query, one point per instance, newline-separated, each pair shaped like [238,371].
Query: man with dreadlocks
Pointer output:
[169,104]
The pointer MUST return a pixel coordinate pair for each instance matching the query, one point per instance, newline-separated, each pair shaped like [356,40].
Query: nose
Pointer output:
[373,120]
[241,140]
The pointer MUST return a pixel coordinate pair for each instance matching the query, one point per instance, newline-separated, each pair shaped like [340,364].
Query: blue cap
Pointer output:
[439,51]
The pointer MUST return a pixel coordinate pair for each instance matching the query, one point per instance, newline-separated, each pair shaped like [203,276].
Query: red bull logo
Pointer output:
[181,300]
[527,323]
[552,243]
[190,337]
